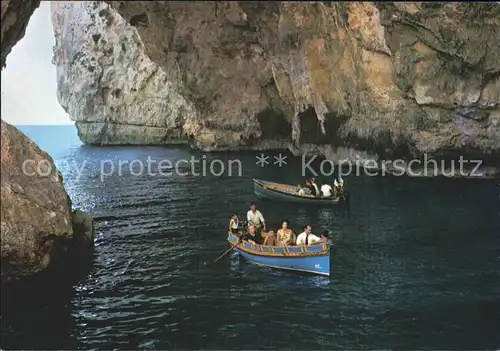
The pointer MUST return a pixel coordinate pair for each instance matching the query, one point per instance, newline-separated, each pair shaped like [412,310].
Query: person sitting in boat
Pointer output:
[314,187]
[324,237]
[302,237]
[234,224]
[326,190]
[300,190]
[285,236]
[252,236]
[255,217]
[308,186]
[338,186]
[269,238]
[314,239]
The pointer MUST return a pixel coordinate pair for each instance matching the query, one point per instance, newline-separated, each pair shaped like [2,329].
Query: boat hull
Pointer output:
[285,192]
[314,259]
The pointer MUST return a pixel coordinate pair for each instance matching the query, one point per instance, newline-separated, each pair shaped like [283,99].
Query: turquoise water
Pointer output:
[58,140]
[416,263]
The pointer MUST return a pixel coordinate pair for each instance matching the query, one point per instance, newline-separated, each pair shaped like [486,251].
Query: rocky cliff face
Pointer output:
[107,83]
[37,224]
[35,209]
[388,79]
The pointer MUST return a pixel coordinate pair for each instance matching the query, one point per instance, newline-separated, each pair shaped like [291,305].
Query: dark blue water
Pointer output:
[416,262]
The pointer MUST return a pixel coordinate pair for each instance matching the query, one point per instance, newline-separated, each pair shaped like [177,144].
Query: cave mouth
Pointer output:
[310,129]
[117,93]
[274,125]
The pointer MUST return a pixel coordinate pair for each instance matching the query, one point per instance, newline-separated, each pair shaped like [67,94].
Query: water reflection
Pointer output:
[400,251]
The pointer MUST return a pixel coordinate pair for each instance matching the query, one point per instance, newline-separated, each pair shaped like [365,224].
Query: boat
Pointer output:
[310,259]
[284,192]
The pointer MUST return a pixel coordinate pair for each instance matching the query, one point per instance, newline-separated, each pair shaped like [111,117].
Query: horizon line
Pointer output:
[46,124]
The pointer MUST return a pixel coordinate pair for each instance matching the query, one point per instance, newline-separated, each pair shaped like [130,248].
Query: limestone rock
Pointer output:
[38,228]
[35,211]
[15,17]
[386,79]
[106,82]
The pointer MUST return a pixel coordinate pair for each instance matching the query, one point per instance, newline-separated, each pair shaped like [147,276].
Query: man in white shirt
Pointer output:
[302,237]
[255,217]
[234,223]
[326,190]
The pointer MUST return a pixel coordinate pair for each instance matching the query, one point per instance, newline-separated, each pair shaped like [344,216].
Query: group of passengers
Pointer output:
[326,190]
[256,232]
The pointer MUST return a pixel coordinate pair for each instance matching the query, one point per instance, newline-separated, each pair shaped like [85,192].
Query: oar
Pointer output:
[225,253]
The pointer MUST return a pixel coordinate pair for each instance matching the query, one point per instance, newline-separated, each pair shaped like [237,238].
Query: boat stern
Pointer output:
[232,239]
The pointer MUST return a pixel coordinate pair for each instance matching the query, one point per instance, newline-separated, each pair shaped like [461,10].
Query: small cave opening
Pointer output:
[310,127]
[96,37]
[117,93]
[274,124]
[140,20]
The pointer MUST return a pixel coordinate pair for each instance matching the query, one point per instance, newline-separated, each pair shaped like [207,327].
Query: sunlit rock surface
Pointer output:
[106,82]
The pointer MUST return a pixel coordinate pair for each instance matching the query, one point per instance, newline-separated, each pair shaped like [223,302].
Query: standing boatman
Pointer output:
[254,216]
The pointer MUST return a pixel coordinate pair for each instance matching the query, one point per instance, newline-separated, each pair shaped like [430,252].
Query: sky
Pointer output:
[29,81]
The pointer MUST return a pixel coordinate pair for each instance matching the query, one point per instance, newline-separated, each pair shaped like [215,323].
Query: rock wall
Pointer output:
[106,82]
[357,79]
[37,223]
[35,210]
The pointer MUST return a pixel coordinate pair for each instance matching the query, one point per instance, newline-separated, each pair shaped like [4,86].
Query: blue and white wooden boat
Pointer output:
[285,192]
[311,259]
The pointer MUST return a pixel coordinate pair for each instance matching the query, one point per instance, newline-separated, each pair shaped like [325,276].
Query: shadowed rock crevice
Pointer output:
[139,20]
[274,125]
[333,124]
[310,128]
